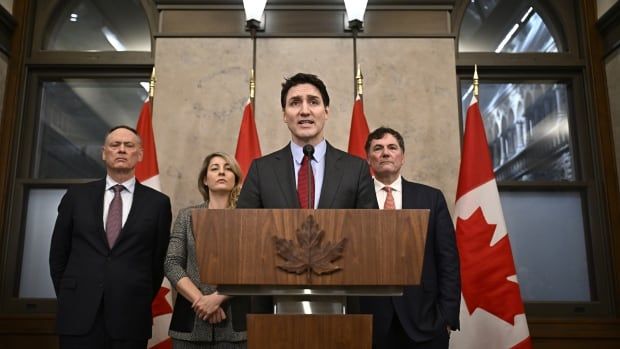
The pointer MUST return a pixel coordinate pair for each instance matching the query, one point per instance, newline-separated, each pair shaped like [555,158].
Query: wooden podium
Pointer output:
[281,252]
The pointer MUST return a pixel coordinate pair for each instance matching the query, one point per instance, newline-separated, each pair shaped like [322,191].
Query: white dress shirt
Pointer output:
[397,192]
[126,197]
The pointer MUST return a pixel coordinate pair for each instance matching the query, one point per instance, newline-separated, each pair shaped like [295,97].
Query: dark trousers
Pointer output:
[99,338]
[397,339]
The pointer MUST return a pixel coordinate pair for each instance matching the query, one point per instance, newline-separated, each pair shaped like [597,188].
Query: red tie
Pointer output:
[114,221]
[389,199]
[305,189]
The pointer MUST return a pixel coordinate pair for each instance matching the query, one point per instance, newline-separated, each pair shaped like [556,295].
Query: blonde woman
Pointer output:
[202,317]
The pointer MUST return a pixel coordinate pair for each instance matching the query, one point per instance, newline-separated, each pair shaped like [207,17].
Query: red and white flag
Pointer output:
[248,146]
[147,172]
[359,130]
[492,314]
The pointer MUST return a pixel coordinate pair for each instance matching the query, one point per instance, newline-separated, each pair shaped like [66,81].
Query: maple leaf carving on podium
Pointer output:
[308,255]
[485,269]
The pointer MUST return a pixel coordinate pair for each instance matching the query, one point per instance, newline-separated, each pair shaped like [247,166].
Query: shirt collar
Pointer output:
[319,152]
[129,184]
[397,185]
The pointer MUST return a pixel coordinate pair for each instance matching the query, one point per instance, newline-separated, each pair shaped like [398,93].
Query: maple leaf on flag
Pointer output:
[160,305]
[485,268]
[308,255]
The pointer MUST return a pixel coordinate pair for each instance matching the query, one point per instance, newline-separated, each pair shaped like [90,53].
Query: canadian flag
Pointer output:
[359,130]
[492,313]
[147,172]
[248,146]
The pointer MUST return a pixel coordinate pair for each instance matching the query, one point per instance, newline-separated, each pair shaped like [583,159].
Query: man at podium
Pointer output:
[330,178]
[424,316]
[307,173]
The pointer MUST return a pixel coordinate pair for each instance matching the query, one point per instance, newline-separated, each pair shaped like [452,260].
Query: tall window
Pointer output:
[505,26]
[88,71]
[99,25]
[532,100]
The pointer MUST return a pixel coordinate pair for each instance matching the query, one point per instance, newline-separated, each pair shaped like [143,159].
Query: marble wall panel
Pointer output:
[202,88]
[603,5]
[410,85]
[330,59]
[8,5]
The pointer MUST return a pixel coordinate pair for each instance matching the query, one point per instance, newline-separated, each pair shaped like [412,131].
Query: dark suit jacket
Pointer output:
[424,311]
[88,274]
[270,182]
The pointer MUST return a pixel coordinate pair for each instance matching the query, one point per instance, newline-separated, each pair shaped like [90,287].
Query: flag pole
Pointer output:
[152,84]
[359,127]
[359,82]
[476,84]
[252,86]
[355,64]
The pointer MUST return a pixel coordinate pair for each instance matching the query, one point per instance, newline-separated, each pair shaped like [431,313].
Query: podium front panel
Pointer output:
[383,247]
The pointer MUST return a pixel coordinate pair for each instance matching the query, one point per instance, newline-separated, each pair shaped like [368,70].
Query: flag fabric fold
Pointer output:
[492,313]
[248,146]
[147,173]
[359,130]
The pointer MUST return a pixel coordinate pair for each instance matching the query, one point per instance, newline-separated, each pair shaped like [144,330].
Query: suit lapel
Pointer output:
[331,177]
[410,199]
[137,205]
[284,173]
[97,200]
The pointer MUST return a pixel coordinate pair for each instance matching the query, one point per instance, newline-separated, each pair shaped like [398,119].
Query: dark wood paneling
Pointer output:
[314,3]
[401,22]
[609,27]
[603,136]
[10,124]
[309,22]
[588,328]
[7,25]
[305,21]
[192,22]
[309,331]
[28,331]
[559,343]
[31,340]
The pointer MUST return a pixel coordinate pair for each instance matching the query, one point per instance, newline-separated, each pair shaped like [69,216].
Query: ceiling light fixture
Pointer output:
[354,19]
[254,14]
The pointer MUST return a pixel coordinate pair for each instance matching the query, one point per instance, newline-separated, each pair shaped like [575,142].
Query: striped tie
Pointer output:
[305,184]
[389,199]
[114,222]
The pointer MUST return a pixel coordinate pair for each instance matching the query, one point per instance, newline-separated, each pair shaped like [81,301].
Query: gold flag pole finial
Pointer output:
[152,84]
[252,84]
[476,84]
[359,81]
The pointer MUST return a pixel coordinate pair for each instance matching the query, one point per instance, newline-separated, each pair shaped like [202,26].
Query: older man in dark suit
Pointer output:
[107,252]
[424,316]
